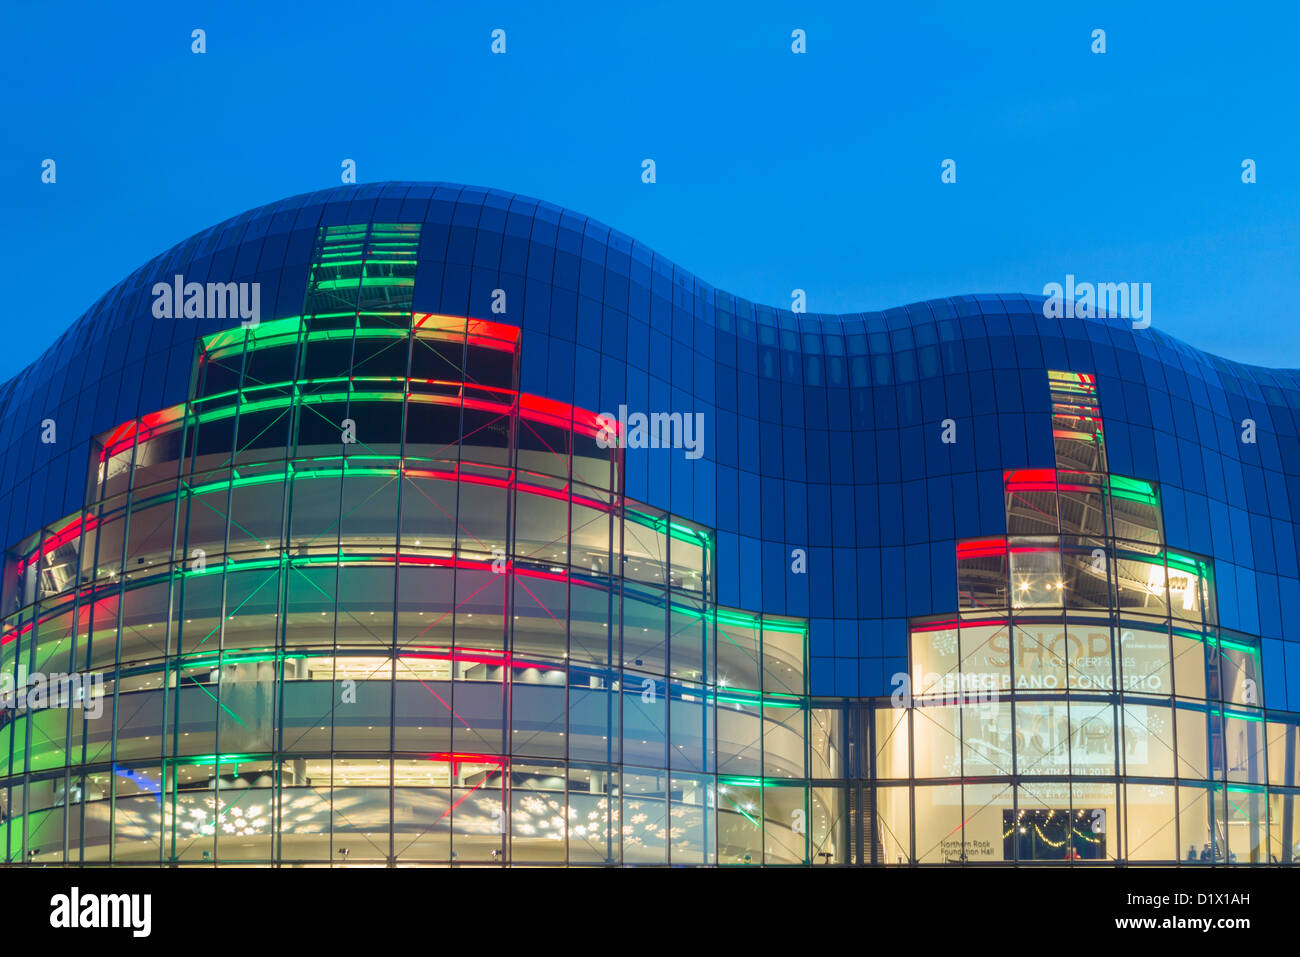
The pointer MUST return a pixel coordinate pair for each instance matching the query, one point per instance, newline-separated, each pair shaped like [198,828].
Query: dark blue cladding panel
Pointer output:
[821,433]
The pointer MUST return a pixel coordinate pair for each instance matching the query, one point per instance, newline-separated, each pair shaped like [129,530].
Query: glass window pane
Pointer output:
[939,824]
[937,747]
[740,823]
[1150,816]
[1201,824]
[894,824]
[1148,740]
[785,829]
[934,660]
[1042,738]
[1193,760]
[645,818]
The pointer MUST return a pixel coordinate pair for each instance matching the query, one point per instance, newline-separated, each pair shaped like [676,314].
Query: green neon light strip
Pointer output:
[243,482]
[758,782]
[1133,490]
[345,263]
[739,619]
[362,282]
[218,758]
[1185,563]
[275,331]
[765,702]
[740,696]
[235,659]
[311,398]
[672,529]
[233,566]
[693,613]
[296,470]
[1179,562]
[1238,646]
[743,620]
[276,328]
[1242,717]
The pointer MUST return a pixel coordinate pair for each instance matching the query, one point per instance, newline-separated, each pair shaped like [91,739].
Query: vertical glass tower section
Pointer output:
[360,600]
[1083,705]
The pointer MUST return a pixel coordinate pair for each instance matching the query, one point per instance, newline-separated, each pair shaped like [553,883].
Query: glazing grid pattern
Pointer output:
[450,641]
[823,429]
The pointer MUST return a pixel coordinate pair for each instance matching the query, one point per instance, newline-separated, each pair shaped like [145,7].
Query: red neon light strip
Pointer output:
[18,633]
[465,757]
[1032,487]
[413,561]
[66,534]
[134,432]
[564,415]
[494,330]
[981,548]
[1029,480]
[478,656]
[1047,476]
[478,332]
[531,407]
[1042,480]
[935,626]
[953,623]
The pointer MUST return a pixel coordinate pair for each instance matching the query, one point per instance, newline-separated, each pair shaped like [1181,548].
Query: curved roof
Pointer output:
[222,252]
[586,295]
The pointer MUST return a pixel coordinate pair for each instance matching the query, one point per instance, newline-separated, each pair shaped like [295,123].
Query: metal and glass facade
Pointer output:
[366,581]
[1084,704]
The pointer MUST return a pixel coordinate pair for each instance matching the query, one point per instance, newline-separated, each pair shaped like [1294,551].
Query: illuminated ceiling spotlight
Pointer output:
[1156,579]
[1181,584]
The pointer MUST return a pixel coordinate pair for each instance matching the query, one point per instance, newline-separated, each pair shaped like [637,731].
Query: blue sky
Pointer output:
[819,171]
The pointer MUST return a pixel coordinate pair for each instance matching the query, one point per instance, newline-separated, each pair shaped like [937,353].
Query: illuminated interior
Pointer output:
[359,600]
[1083,705]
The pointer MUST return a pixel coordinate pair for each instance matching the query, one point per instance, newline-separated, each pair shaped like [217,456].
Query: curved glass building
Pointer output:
[418,524]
